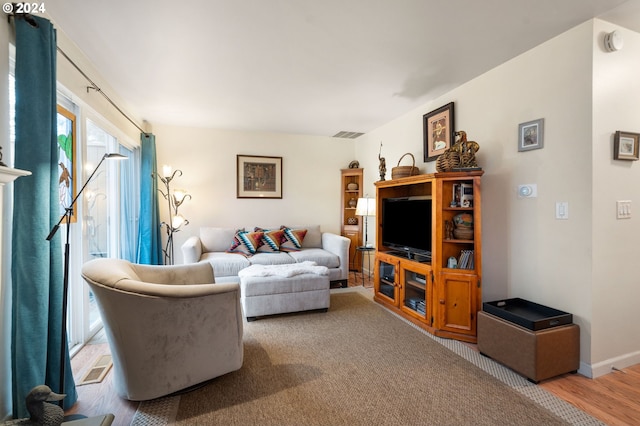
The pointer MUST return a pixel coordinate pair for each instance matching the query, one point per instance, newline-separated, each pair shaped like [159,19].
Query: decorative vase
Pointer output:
[353,202]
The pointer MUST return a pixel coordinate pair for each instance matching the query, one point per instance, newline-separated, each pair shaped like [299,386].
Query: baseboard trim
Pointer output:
[610,365]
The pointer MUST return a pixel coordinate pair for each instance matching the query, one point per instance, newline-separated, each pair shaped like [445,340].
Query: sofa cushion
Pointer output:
[313,238]
[246,242]
[294,239]
[225,264]
[262,286]
[216,239]
[280,258]
[272,239]
[320,256]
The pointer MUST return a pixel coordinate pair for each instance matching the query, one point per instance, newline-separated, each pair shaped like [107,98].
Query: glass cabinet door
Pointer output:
[386,284]
[416,291]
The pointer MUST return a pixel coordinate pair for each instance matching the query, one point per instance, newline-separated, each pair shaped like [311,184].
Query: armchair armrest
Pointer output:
[192,249]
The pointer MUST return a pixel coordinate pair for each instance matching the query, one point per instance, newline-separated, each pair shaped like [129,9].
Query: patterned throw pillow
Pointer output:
[294,237]
[246,242]
[271,240]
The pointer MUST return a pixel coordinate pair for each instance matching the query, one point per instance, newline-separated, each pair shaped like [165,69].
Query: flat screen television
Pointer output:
[406,225]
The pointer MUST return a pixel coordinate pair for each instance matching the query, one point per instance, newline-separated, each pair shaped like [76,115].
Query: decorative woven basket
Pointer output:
[447,161]
[463,233]
[404,171]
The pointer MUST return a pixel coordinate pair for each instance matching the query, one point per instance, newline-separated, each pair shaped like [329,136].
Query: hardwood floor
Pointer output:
[98,398]
[614,399]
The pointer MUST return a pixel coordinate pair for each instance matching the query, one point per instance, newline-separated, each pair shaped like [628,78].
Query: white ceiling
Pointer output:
[307,66]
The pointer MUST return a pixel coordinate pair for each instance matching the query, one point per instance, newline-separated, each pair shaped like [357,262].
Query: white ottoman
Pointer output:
[277,294]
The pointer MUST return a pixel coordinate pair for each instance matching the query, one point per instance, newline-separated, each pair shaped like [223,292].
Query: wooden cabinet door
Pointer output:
[456,303]
[386,279]
[355,257]
[415,290]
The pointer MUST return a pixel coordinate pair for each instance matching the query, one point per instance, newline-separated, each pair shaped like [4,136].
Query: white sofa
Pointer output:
[212,245]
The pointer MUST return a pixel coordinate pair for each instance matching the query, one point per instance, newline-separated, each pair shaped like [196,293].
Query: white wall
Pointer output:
[616,286]
[75,86]
[207,157]
[573,264]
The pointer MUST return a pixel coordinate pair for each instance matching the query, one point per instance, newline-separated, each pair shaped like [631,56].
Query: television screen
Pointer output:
[406,224]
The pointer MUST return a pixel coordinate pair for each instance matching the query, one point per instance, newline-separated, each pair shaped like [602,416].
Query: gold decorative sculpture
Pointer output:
[461,155]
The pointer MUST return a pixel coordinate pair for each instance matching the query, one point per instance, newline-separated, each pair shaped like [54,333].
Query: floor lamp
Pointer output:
[366,207]
[66,217]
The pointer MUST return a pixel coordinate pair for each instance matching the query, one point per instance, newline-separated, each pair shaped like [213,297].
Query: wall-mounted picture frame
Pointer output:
[439,129]
[531,135]
[259,176]
[625,146]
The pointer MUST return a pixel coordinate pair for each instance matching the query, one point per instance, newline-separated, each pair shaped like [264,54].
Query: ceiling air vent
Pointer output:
[348,135]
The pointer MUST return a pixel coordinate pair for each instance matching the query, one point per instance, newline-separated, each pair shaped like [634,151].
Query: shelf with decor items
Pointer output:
[351,225]
[449,280]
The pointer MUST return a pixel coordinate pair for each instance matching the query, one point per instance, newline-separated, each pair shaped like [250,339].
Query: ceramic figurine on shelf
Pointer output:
[448,230]
[383,164]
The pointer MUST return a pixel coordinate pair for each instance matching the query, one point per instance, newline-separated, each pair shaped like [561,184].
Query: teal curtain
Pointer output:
[149,238]
[37,264]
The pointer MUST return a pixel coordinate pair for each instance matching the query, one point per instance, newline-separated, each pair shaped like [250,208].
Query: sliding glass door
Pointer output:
[108,218]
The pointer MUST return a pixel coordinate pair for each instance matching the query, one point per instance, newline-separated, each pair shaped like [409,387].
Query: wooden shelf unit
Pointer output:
[353,231]
[452,296]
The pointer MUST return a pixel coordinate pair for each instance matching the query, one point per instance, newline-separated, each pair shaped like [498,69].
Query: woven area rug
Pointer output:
[360,364]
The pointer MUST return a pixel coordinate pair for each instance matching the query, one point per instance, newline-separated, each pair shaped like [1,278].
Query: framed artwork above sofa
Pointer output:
[259,176]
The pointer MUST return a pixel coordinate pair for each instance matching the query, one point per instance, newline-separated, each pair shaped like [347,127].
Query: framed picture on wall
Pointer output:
[625,146]
[439,131]
[531,135]
[259,176]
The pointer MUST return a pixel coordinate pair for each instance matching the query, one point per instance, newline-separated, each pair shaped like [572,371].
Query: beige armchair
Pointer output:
[168,327]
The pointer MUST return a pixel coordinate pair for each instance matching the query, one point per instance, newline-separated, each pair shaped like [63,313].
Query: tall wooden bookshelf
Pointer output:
[351,226]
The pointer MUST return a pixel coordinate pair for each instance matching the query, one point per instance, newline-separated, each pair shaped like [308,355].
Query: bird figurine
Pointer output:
[42,412]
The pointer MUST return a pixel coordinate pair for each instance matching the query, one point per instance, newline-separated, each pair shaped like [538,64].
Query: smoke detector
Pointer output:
[613,41]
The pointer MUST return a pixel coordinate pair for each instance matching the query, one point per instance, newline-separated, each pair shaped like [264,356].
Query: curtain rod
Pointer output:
[95,87]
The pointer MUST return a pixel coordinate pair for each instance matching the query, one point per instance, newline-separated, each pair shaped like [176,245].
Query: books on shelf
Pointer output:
[466,260]
[462,195]
[417,304]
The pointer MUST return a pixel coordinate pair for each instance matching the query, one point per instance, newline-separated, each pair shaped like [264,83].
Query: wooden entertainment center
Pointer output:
[443,300]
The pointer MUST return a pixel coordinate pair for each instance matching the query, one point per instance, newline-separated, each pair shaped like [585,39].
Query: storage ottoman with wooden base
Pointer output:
[279,289]
[537,355]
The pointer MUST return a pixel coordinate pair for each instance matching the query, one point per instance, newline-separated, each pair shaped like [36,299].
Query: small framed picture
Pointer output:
[438,131]
[259,177]
[531,135]
[625,146]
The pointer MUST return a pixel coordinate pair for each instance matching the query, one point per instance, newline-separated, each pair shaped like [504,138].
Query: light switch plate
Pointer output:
[623,209]
[562,210]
